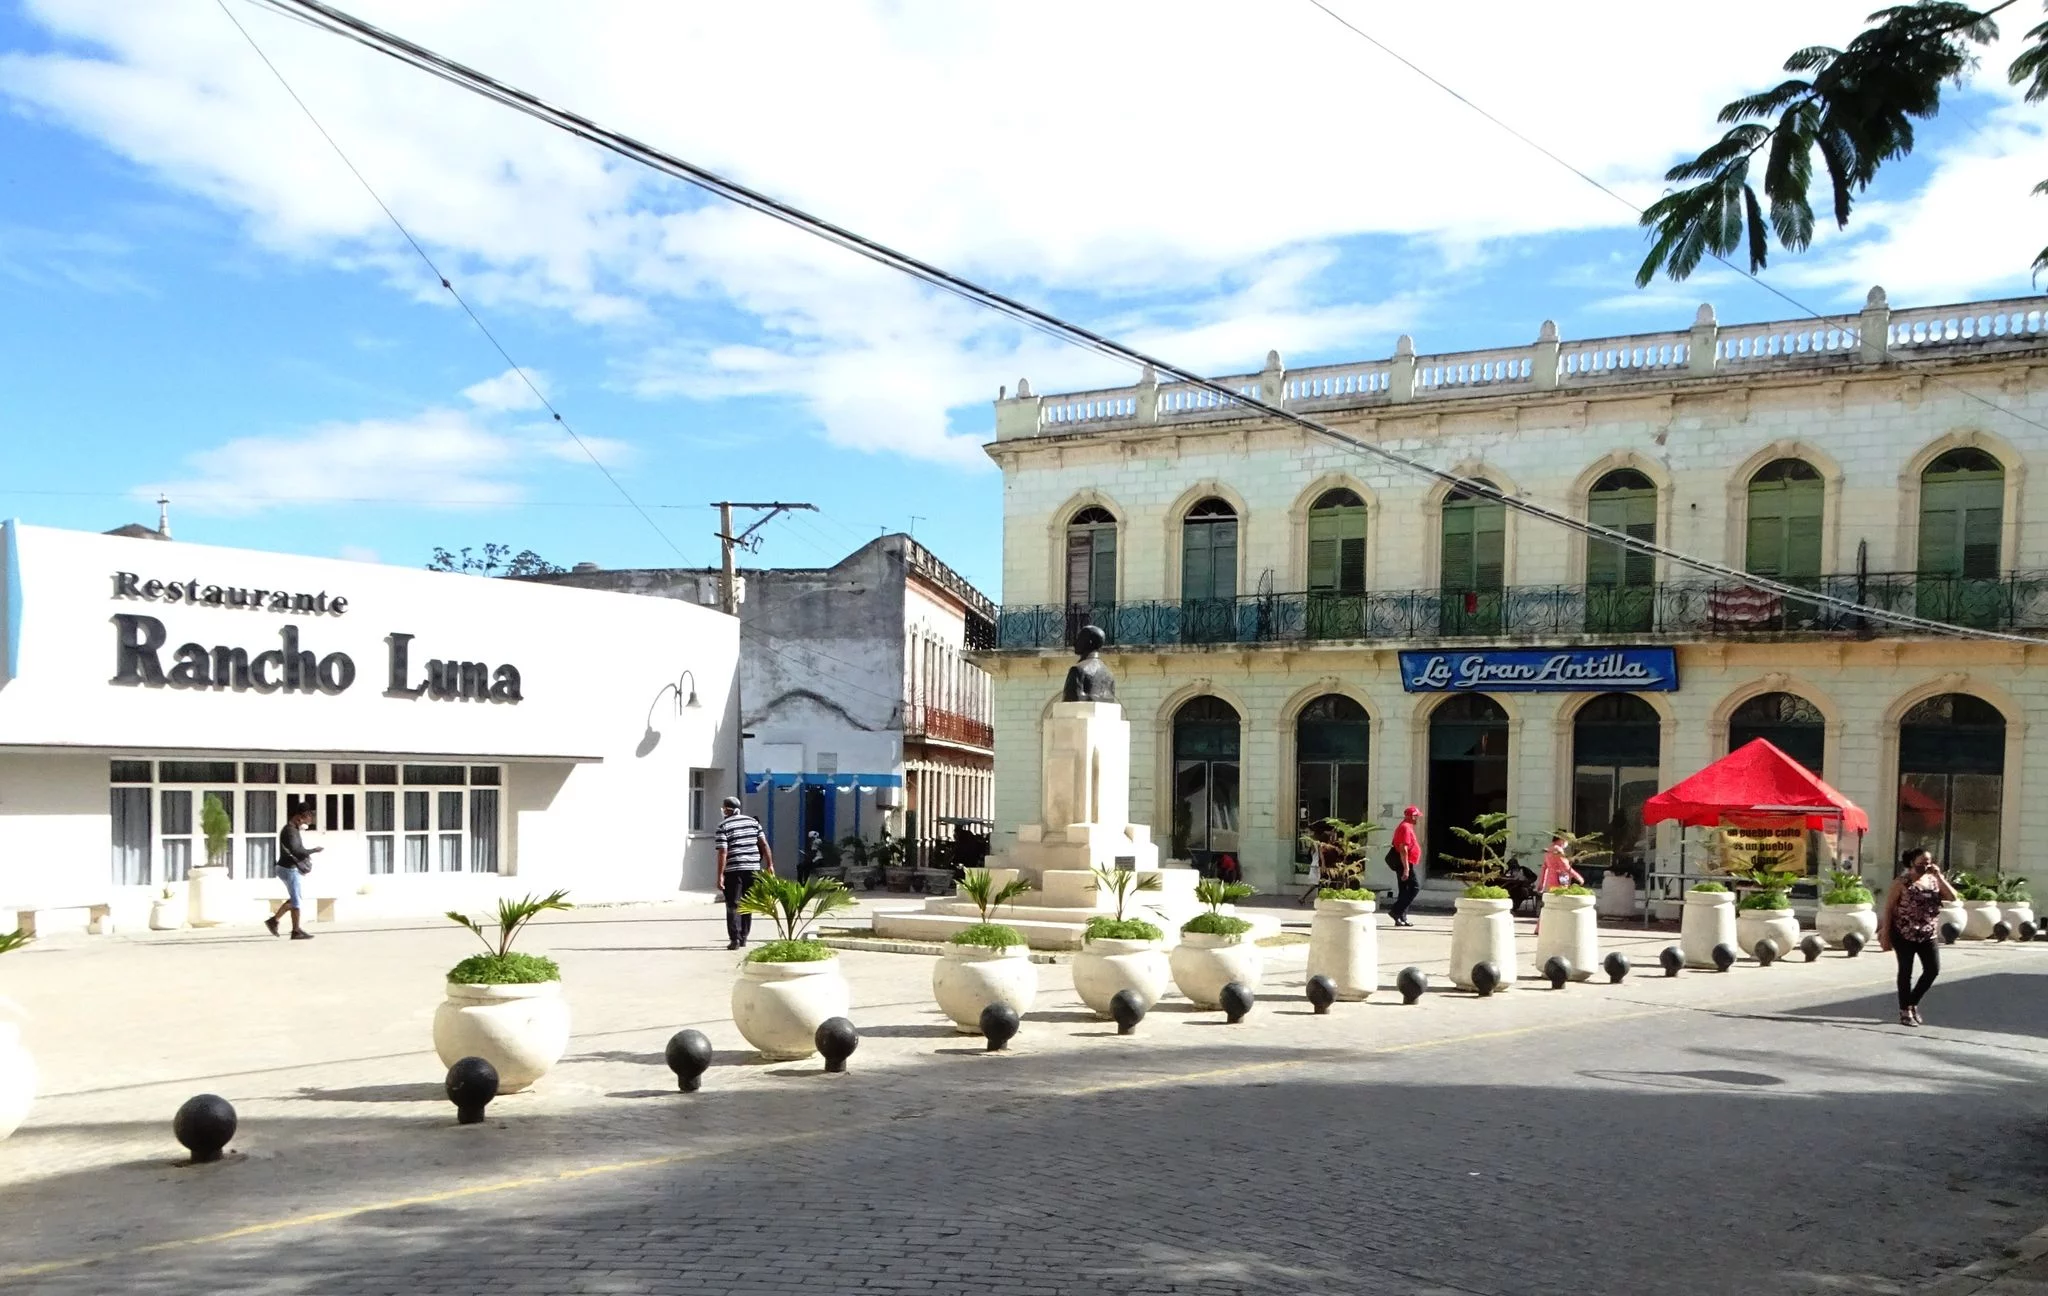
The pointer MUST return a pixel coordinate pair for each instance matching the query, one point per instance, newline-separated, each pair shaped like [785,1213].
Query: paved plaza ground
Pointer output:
[1764,1130]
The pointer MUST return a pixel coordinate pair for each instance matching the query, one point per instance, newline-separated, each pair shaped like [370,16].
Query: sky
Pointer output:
[197,297]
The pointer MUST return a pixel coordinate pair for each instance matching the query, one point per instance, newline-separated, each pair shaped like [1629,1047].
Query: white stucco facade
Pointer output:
[458,737]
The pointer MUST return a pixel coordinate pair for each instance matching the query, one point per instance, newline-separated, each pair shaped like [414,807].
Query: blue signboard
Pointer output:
[1541,670]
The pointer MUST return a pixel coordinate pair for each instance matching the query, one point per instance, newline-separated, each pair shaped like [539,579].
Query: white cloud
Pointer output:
[508,391]
[1197,157]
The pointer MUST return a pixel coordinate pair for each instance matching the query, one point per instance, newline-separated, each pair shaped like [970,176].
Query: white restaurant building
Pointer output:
[457,737]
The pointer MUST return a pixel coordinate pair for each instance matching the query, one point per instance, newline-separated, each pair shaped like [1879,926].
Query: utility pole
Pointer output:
[729,603]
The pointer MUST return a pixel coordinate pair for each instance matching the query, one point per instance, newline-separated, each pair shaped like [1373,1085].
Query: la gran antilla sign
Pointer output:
[1542,670]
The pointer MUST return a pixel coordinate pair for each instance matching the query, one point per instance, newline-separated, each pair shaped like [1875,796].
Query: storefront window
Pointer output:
[259,849]
[380,822]
[1205,779]
[129,807]
[174,812]
[1332,742]
[1616,741]
[483,829]
[1468,774]
[1952,781]
[1787,721]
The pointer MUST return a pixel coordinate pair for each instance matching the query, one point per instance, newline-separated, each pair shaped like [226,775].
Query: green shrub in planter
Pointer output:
[1104,927]
[511,968]
[1970,887]
[1485,891]
[1845,887]
[2013,890]
[1217,924]
[1713,887]
[988,935]
[792,951]
[1345,893]
[1573,889]
[1764,900]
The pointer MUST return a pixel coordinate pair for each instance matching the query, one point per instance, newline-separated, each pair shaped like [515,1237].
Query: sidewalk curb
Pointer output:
[1989,1276]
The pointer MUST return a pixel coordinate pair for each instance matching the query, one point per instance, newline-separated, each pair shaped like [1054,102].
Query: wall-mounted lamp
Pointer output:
[693,704]
[685,690]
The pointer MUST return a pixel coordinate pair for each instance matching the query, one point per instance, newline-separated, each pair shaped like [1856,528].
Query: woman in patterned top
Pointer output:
[1910,927]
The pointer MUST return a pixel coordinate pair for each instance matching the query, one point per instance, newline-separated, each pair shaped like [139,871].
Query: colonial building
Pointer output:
[861,708]
[1299,629]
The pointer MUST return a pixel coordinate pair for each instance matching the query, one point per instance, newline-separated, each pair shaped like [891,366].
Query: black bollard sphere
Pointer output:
[1724,956]
[1671,959]
[1128,1009]
[1236,1001]
[472,1083]
[2001,930]
[1852,944]
[204,1125]
[1617,966]
[1413,983]
[1766,951]
[689,1055]
[1559,969]
[1813,947]
[1949,932]
[999,1024]
[1322,992]
[2028,931]
[1485,978]
[836,1039]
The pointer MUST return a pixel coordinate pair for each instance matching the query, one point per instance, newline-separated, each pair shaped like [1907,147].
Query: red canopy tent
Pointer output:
[1755,779]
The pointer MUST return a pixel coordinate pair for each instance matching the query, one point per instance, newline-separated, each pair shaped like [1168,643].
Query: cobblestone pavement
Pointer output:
[1762,1130]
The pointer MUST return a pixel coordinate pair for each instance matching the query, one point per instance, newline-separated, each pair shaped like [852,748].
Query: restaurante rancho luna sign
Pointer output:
[1542,670]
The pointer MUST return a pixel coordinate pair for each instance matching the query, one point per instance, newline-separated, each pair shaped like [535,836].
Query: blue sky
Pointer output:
[197,298]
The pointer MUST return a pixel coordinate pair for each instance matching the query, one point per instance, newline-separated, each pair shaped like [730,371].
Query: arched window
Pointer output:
[1787,721]
[1785,499]
[1952,781]
[1205,779]
[1962,513]
[1336,566]
[1208,571]
[1332,750]
[1091,570]
[1620,582]
[1468,772]
[1616,742]
[1472,563]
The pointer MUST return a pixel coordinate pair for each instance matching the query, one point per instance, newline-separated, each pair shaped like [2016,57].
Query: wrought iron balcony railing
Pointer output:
[2017,601]
[923,721]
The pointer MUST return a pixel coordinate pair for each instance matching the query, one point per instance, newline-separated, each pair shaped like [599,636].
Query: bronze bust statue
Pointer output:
[1089,680]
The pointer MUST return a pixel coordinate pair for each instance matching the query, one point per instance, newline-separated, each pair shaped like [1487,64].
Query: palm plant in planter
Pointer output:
[2015,904]
[792,985]
[1483,930]
[1980,904]
[17,1068]
[1213,950]
[1764,910]
[889,854]
[1342,852]
[1117,952]
[1846,905]
[986,963]
[1569,926]
[503,1005]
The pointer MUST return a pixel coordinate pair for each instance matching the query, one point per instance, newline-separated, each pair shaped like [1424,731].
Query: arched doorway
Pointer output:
[1336,565]
[1208,572]
[1472,563]
[1787,721]
[1468,772]
[1332,753]
[1617,740]
[1952,781]
[1091,571]
[1206,738]
[1962,520]
[1621,584]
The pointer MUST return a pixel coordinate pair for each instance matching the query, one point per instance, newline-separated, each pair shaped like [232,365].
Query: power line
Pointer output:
[1884,344]
[625,146]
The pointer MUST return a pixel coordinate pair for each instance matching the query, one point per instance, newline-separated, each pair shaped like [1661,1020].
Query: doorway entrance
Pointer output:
[1468,774]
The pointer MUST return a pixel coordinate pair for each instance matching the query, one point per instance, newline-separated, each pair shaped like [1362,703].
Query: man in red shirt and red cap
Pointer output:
[1405,858]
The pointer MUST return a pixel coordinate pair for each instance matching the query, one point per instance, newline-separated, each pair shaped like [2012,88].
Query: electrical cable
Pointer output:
[437,65]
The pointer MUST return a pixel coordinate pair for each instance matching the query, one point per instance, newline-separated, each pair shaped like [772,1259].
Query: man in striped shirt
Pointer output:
[742,853]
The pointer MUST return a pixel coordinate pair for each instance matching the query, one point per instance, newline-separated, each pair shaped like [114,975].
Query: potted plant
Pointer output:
[2015,905]
[1570,927]
[1846,905]
[504,1006]
[1213,950]
[167,911]
[793,984]
[1343,937]
[859,862]
[1980,905]
[1483,929]
[1765,910]
[1707,920]
[889,855]
[1120,953]
[206,890]
[986,963]
[935,878]
[17,1067]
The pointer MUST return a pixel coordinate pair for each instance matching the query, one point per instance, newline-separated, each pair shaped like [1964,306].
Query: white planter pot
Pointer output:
[522,1030]
[167,915]
[1571,927]
[1952,912]
[1834,921]
[1203,963]
[968,978]
[17,1079]
[1617,896]
[1483,931]
[208,894]
[1979,917]
[1753,925]
[778,1007]
[1104,967]
[2015,914]
[1344,945]
[1708,920]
